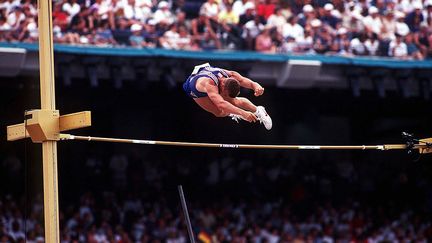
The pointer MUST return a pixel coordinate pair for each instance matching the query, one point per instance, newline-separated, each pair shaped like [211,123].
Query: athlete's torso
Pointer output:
[195,85]
[206,73]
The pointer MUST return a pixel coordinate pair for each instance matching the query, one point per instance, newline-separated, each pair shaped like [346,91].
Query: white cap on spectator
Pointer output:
[249,5]
[402,31]
[136,27]
[328,7]
[357,15]
[308,8]
[316,23]
[417,5]
[31,26]
[342,31]
[428,3]
[84,40]
[373,10]
[163,4]
[399,15]
[151,22]
[335,13]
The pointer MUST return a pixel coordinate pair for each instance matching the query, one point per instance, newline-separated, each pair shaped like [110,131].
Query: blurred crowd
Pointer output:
[131,197]
[395,28]
[107,218]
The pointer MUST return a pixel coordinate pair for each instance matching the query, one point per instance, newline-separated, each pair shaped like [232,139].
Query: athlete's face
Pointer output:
[223,90]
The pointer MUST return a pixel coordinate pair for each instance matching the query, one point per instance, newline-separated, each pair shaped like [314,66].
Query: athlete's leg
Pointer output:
[207,104]
[243,103]
[259,111]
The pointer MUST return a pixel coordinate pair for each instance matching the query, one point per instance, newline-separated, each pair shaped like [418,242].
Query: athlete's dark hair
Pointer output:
[233,87]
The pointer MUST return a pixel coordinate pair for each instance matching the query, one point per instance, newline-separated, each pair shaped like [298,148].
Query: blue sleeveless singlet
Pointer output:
[213,73]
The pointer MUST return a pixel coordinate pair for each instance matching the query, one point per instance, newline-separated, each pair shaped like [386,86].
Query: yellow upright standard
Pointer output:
[44,125]
[49,148]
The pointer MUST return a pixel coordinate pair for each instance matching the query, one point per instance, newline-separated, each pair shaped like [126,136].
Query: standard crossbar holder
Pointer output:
[46,125]
[428,146]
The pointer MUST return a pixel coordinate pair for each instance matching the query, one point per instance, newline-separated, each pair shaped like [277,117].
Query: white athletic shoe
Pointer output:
[263,117]
[235,117]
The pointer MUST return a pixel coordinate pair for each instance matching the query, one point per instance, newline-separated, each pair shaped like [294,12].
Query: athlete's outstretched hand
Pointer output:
[249,116]
[258,89]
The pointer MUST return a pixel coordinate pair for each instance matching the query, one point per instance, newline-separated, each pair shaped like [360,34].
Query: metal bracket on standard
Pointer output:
[428,148]
[46,125]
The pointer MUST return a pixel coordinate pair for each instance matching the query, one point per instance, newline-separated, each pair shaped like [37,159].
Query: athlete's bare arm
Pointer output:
[247,83]
[223,105]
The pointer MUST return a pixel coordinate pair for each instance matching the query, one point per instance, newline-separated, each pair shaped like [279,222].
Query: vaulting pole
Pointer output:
[49,148]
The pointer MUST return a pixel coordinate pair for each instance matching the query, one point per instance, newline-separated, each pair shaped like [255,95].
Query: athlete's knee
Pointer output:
[220,114]
[242,101]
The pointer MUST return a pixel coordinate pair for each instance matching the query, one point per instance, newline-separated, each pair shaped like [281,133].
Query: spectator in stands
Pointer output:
[185,41]
[277,20]
[103,35]
[328,17]
[265,8]
[4,28]
[358,46]
[137,38]
[251,30]
[231,35]
[16,233]
[307,16]
[248,15]
[427,14]
[305,44]
[136,12]
[29,8]
[289,45]
[372,22]
[180,20]
[101,9]
[211,10]
[322,37]
[32,31]
[71,7]
[293,29]
[341,44]
[80,33]
[286,9]
[264,42]
[170,38]
[122,32]
[4,8]
[152,33]
[415,18]
[401,26]
[239,6]
[203,32]
[398,48]
[389,26]
[15,17]
[163,15]
[228,16]
[423,40]
[355,24]
[413,51]
[372,44]
[61,17]
[20,33]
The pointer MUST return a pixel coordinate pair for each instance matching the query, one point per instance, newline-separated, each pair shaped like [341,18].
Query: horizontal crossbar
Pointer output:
[241,146]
